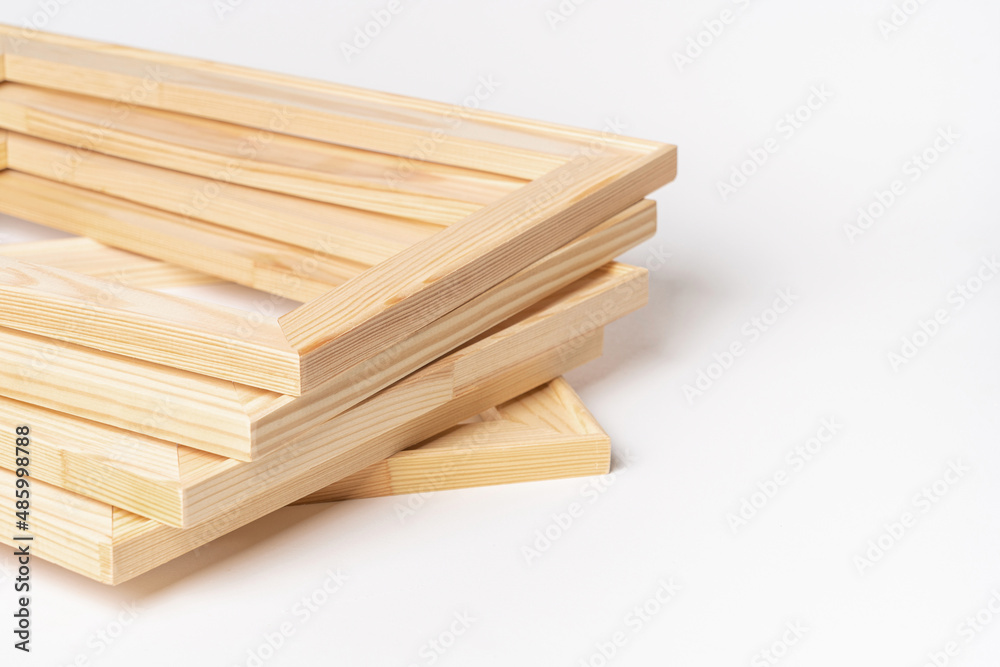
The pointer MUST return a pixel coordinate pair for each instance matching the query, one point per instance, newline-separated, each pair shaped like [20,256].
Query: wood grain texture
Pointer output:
[257,421]
[245,259]
[269,160]
[112,545]
[90,258]
[183,333]
[413,129]
[111,465]
[336,231]
[149,399]
[546,433]
[398,297]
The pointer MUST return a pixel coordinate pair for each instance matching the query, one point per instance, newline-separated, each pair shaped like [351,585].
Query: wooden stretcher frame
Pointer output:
[183,487]
[568,181]
[240,422]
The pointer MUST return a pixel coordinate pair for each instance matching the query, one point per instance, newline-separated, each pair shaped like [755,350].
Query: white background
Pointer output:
[683,465]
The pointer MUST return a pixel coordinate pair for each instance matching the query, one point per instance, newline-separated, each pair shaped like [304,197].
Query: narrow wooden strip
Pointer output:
[88,257]
[171,330]
[244,259]
[398,297]
[233,153]
[413,128]
[337,231]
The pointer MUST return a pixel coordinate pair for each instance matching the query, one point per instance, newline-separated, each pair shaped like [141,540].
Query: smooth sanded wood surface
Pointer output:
[195,487]
[239,422]
[112,545]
